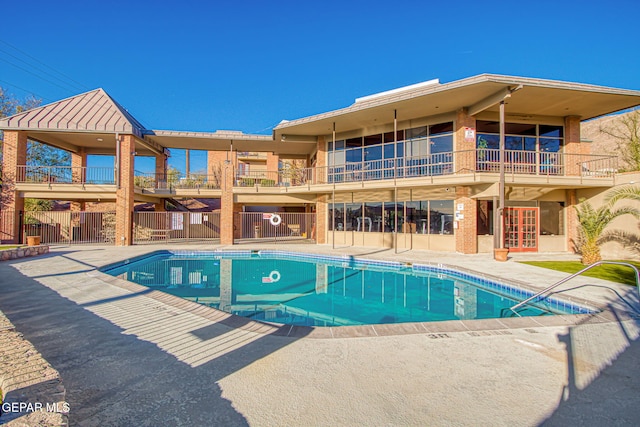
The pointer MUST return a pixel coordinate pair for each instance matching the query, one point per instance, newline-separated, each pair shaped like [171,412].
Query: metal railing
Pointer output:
[159,227]
[546,163]
[70,227]
[516,162]
[566,279]
[65,175]
[259,179]
[171,181]
[7,225]
[264,226]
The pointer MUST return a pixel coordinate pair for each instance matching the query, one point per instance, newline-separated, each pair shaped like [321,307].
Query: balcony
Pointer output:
[523,166]
[65,175]
[173,181]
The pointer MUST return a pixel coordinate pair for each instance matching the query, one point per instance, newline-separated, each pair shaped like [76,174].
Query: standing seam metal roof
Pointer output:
[93,111]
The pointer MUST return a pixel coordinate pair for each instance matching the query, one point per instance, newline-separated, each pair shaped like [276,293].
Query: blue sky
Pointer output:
[246,65]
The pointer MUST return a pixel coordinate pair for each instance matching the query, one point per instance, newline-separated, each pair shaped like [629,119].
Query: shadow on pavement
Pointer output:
[117,379]
[603,384]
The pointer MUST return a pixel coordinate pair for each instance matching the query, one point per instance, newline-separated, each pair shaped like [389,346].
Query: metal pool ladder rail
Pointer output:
[566,279]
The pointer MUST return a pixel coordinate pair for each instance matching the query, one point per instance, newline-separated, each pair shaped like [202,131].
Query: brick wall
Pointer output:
[467,159]
[226,205]
[14,154]
[572,219]
[124,194]
[161,166]
[466,234]
[572,145]
[321,219]
[321,203]
[78,166]
[272,163]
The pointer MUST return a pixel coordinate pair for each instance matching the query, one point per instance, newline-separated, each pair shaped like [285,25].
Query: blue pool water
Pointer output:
[311,290]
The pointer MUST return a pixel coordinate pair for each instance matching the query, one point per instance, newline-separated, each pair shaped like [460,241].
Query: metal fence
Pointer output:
[275,227]
[159,227]
[69,227]
[7,226]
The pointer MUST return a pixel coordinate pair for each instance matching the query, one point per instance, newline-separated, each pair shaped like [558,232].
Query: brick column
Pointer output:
[124,194]
[273,161]
[572,146]
[161,168]
[466,161]
[466,234]
[572,220]
[14,154]
[161,177]
[78,175]
[321,219]
[321,161]
[215,163]
[226,205]
[322,200]
[78,166]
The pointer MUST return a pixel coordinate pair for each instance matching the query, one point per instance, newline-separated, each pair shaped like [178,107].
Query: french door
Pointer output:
[521,229]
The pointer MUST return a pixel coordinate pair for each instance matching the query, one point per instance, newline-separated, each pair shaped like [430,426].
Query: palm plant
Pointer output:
[592,223]
[629,192]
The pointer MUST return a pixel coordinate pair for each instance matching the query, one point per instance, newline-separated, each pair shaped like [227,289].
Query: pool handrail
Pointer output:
[566,279]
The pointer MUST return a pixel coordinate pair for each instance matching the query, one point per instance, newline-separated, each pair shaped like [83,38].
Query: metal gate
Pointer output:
[69,227]
[159,227]
[521,229]
[274,227]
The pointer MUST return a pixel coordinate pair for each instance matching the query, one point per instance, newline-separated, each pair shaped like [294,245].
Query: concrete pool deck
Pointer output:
[130,356]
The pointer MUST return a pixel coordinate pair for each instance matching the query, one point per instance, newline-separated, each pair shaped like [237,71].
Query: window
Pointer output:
[441,217]
[373,219]
[337,211]
[552,218]
[393,212]
[353,211]
[417,216]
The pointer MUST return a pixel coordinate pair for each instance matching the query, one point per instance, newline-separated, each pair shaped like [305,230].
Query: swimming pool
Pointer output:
[313,290]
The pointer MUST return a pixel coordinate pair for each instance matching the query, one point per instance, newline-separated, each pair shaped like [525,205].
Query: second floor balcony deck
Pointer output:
[526,167]
[522,166]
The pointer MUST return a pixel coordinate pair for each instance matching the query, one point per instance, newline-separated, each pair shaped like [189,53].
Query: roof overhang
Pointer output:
[537,97]
[226,140]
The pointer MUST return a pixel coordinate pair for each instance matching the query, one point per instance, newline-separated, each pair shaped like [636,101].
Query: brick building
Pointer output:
[417,167]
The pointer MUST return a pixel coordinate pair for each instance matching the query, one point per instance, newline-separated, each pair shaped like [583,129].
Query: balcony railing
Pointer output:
[516,162]
[261,179]
[65,175]
[172,181]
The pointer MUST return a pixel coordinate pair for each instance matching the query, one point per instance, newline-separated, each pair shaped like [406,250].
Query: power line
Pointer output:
[82,86]
[75,87]
[34,74]
[26,90]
